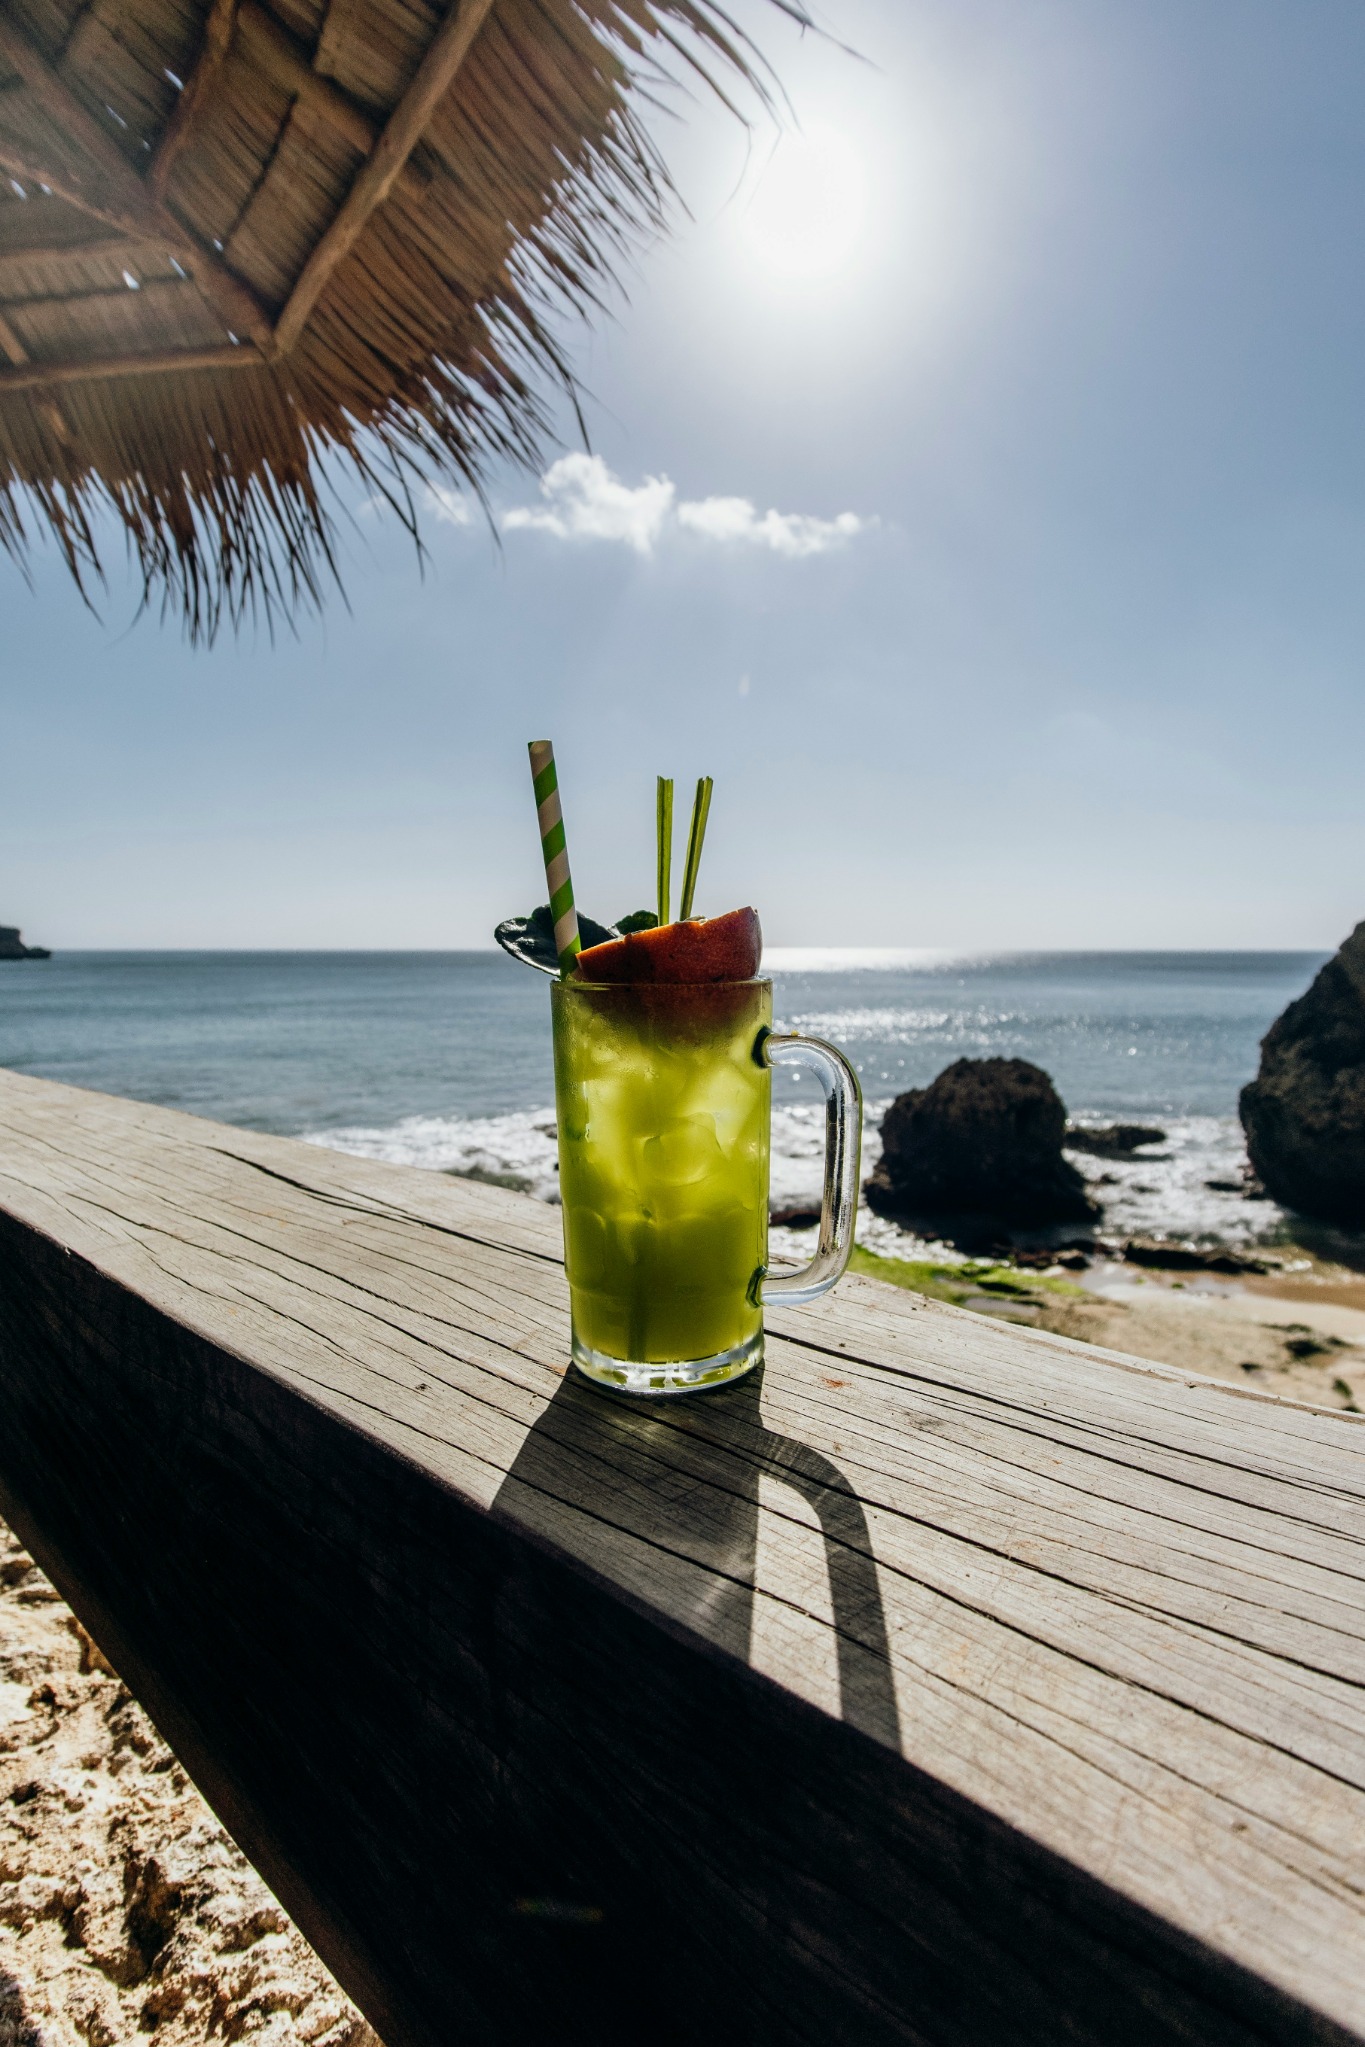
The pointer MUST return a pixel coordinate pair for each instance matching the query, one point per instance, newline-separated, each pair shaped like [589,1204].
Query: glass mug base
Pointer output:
[687,1375]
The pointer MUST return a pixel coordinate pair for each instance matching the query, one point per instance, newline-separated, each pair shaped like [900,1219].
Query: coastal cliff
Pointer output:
[1304,1114]
[12,946]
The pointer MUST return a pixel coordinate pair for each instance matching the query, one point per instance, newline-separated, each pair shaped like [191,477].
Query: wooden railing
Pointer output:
[955,1684]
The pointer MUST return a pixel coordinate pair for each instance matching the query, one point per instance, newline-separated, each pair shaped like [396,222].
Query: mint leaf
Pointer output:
[532,939]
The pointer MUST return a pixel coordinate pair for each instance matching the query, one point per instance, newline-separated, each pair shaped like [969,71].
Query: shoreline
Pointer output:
[1299,1333]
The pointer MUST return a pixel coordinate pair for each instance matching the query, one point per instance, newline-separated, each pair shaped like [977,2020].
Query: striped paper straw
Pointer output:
[546,783]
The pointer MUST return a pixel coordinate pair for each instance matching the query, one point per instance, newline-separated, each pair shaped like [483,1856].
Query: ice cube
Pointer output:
[586,1234]
[684,1151]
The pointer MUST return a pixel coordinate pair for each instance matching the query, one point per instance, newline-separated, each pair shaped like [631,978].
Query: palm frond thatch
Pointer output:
[237,238]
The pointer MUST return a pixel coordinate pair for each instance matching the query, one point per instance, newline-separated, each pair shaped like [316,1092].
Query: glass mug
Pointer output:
[663,1092]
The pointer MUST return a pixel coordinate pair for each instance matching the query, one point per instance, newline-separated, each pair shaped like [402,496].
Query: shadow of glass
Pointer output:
[637,1860]
[683,1478]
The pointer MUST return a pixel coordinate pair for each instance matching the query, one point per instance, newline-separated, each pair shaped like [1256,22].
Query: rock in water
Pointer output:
[12,946]
[1114,1140]
[985,1139]
[1304,1114]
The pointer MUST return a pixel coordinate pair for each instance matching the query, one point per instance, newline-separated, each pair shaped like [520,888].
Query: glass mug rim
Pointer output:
[577,981]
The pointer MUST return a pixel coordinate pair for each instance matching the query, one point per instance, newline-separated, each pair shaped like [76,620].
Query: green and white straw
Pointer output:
[552,846]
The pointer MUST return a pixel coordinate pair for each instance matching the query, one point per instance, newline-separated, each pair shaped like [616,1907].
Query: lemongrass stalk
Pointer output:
[555,853]
[664,833]
[701,810]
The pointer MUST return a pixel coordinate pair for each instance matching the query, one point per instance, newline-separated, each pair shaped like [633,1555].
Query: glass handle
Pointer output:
[843,1153]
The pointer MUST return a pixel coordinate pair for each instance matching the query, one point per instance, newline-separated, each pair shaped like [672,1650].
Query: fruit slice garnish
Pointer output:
[727,948]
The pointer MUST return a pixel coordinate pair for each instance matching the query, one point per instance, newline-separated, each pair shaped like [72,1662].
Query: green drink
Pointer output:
[664,1099]
[664,1047]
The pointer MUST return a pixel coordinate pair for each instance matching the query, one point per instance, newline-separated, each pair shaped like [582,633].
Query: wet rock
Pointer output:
[1304,1114]
[1114,1140]
[1174,1257]
[984,1141]
[802,1215]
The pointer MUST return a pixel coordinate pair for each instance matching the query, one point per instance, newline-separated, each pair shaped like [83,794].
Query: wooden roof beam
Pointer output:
[127,251]
[283,60]
[380,173]
[70,188]
[47,408]
[11,346]
[26,375]
[116,194]
[218,33]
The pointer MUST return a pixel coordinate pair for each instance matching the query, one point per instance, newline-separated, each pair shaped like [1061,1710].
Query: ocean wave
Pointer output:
[1168,1193]
[1165,1194]
[516,1150]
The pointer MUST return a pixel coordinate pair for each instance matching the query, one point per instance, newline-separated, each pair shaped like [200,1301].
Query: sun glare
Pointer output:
[805,215]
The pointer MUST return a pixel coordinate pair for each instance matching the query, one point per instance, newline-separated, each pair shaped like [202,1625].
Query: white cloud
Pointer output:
[584,501]
[789,533]
[452,506]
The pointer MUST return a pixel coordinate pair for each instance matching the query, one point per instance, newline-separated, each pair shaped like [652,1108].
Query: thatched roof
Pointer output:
[235,238]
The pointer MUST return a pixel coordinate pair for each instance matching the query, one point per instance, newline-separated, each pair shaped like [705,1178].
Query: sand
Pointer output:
[125,1910]
[1296,1330]
[1290,1335]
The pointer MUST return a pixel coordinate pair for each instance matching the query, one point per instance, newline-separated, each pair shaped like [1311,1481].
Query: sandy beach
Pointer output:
[124,1907]
[1297,1331]
[1300,1345]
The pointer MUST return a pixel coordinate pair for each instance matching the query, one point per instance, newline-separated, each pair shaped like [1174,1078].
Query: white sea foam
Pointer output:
[518,1149]
[1164,1194]
[515,1150]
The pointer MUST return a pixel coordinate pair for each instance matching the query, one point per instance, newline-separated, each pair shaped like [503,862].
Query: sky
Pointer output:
[976,489]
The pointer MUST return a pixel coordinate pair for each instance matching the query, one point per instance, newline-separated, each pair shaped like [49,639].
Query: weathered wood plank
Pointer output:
[956,1684]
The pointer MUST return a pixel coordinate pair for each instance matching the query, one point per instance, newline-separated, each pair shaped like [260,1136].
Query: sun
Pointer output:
[805,215]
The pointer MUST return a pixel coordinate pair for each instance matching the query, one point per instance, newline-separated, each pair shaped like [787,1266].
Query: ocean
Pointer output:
[443,1059]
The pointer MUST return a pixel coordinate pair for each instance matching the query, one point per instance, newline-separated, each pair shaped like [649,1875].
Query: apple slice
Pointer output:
[726,948]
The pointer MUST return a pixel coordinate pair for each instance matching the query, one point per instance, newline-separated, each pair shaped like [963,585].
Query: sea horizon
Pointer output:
[440,1057]
[782,958]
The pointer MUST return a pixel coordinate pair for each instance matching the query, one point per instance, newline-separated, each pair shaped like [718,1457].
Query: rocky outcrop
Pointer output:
[1170,1256]
[12,946]
[1304,1114]
[1113,1140]
[985,1140]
